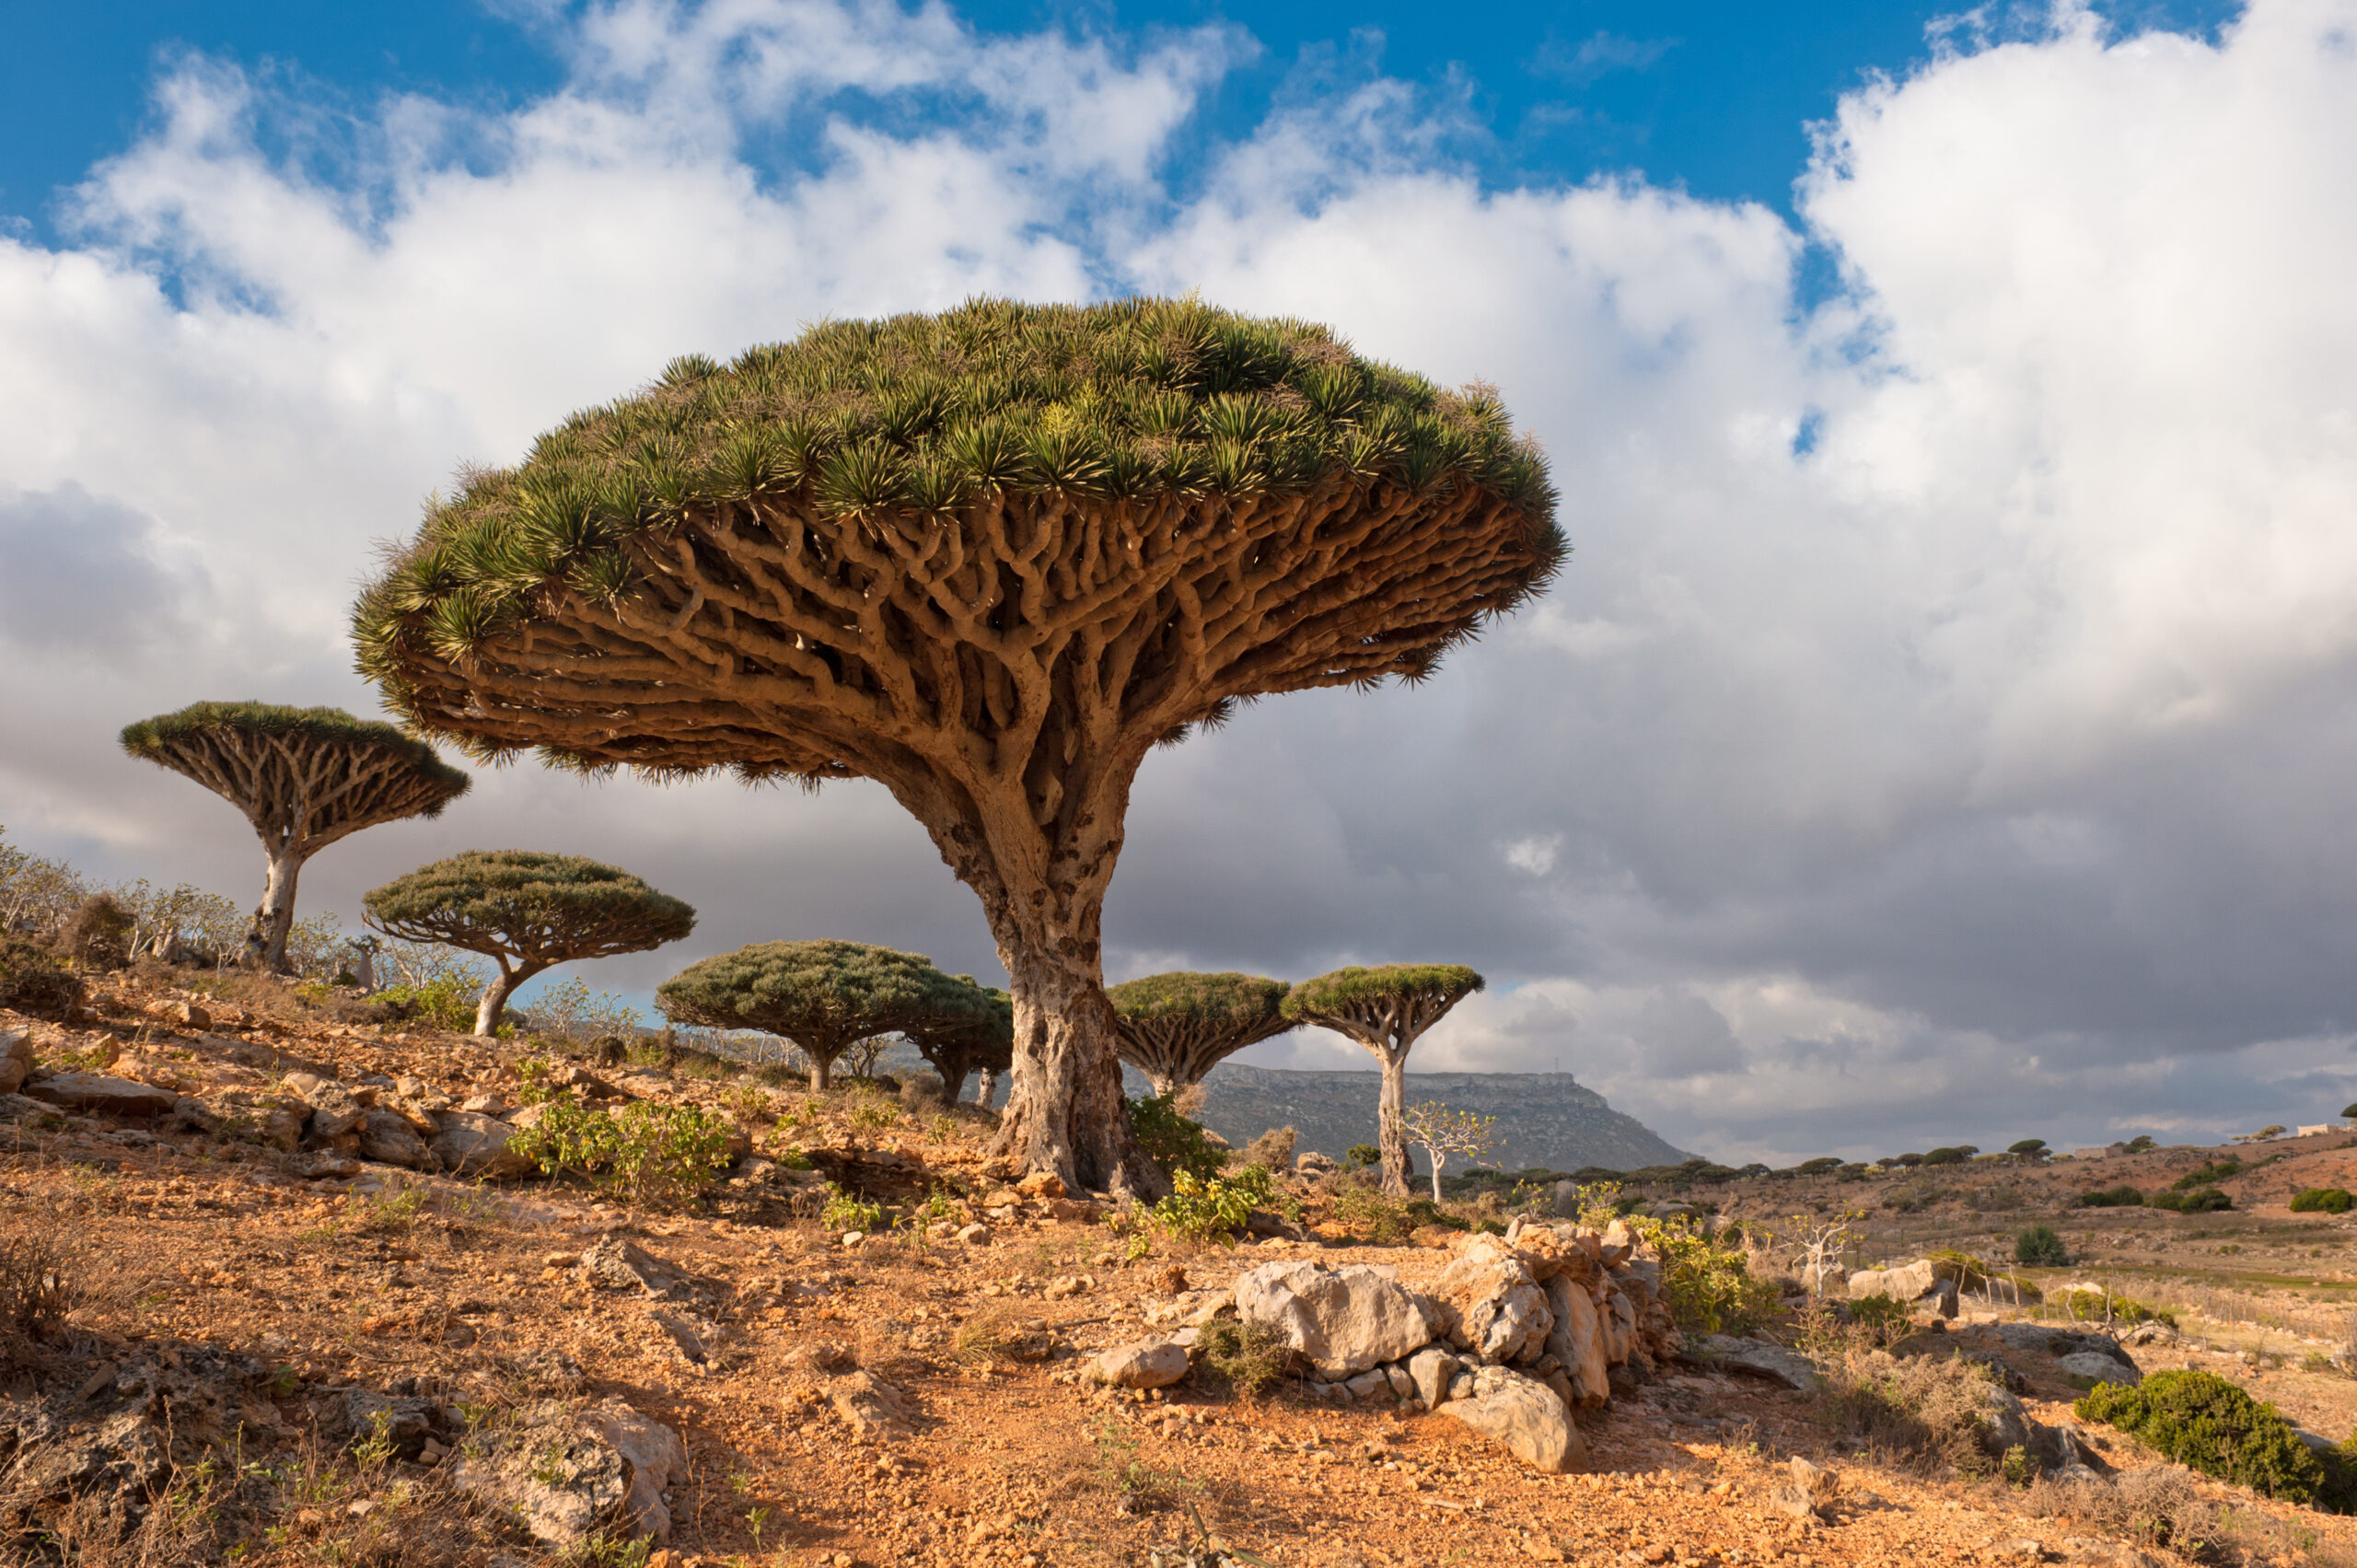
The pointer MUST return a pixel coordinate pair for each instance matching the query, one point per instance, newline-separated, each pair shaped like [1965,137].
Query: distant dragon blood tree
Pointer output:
[304,777]
[1385,1009]
[989,559]
[1176,1028]
[826,996]
[959,1045]
[526,912]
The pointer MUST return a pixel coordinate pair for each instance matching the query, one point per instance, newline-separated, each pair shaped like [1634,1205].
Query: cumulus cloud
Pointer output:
[1935,735]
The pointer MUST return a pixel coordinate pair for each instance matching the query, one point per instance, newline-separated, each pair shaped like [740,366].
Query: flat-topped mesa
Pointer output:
[989,559]
[1176,1028]
[304,778]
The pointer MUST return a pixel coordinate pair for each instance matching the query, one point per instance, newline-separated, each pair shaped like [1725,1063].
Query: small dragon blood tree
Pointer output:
[959,1045]
[826,996]
[526,912]
[1385,1009]
[1176,1028]
[989,559]
[304,777]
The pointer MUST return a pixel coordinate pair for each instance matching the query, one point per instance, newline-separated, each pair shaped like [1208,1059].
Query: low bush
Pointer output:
[1925,1409]
[646,1152]
[2096,1305]
[848,1211]
[1882,1317]
[1707,1280]
[1363,1155]
[2112,1198]
[1253,1357]
[2040,1247]
[1172,1141]
[1213,1208]
[33,980]
[2201,1201]
[97,935]
[445,1002]
[1272,1148]
[2202,1421]
[37,1290]
[2207,1175]
[2322,1200]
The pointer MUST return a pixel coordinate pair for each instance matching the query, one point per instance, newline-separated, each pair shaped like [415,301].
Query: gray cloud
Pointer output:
[82,573]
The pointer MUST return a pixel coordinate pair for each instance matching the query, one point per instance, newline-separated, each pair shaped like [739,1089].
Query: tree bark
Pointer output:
[987,1089]
[1392,1136]
[823,1068]
[1065,1112]
[266,941]
[496,995]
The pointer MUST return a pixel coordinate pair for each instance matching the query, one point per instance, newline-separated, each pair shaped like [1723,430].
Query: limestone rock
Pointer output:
[387,1138]
[1432,1369]
[1523,1416]
[472,1144]
[96,1095]
[1147,1364]
[654,1458]
[15,1060]
[1788,1367]
[2100,1367]
[1342,1320]
[1576,1340]
[1502,1315]
[1905,1283]
[334,1110]
[872,1409]
[619,1263]
[568,1476]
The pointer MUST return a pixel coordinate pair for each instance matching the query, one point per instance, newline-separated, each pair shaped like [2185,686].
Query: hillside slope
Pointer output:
[1544,1119]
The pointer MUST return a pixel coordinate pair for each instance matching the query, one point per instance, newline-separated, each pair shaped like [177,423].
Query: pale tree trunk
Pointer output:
[266,941]
[987,1089]
[1163,1083]
[496,995]
[1393,1136]
[823,1069]
[1434,1157]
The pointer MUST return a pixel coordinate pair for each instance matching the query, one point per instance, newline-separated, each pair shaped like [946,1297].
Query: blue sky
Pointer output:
[1940,733]
[1716,97]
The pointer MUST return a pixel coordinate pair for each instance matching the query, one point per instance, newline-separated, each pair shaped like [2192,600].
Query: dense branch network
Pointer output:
[303,777]
[989,559]
[1176,1028]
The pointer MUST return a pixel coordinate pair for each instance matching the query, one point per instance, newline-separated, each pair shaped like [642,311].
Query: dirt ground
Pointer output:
[192,1251]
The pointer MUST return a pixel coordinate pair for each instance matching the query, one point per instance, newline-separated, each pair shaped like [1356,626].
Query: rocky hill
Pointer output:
[1544,1119]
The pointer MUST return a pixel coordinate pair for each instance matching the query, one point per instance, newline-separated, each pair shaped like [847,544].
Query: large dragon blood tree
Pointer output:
[989,559]
[1176,1028]
[304,777]
[527,912]
[1387,1009]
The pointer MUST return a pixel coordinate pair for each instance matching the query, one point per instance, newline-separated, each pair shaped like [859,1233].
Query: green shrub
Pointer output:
[2323,1200]
[2121,1197]
[2207,1175]
[1708,1283]
[1253,1357]
[1882,1315]
[1213,1208]
[646,1153]
[2203,1201]
[445,1002]
[845,1211]
[33,980]
[1363,1155]
[1172,1141]
[2202,1421]
[2139,1143]
[2038,1247]
[2101,1306]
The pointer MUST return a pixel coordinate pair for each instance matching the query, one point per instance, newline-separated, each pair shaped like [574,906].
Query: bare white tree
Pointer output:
[1441,1133]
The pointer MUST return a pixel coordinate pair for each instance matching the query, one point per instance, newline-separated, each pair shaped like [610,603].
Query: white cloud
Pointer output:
[1985,756]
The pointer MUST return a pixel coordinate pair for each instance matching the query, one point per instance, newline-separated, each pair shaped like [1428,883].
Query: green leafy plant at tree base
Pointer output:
[445,1003]
[1213,1208]
[1253,1357]
[1172,1141]
[2322,1200]
[2202,1421]
[646,1153]
[847,1212]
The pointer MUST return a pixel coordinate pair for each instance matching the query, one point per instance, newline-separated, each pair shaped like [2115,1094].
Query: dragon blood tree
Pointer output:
[1385,1009]
[304,777]
[526,912]
[1176,1028]
[989,559]
[959,1045]
[826,996]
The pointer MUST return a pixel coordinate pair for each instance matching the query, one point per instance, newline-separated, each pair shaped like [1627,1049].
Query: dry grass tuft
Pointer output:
[1920,1412]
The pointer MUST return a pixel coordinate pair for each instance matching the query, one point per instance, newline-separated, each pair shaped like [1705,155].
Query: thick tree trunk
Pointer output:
[266,941]
[823,1069]
[1066,1113]
[1164,1084]
[1393,1136]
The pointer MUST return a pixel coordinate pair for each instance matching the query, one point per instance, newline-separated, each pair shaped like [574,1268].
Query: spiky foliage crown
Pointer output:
[901,426]
[1227,998]
[162,738]
[1346,989]
[824,995]
[522,905]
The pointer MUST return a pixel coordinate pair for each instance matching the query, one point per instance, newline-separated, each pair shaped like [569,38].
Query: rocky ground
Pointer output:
[313,1315]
